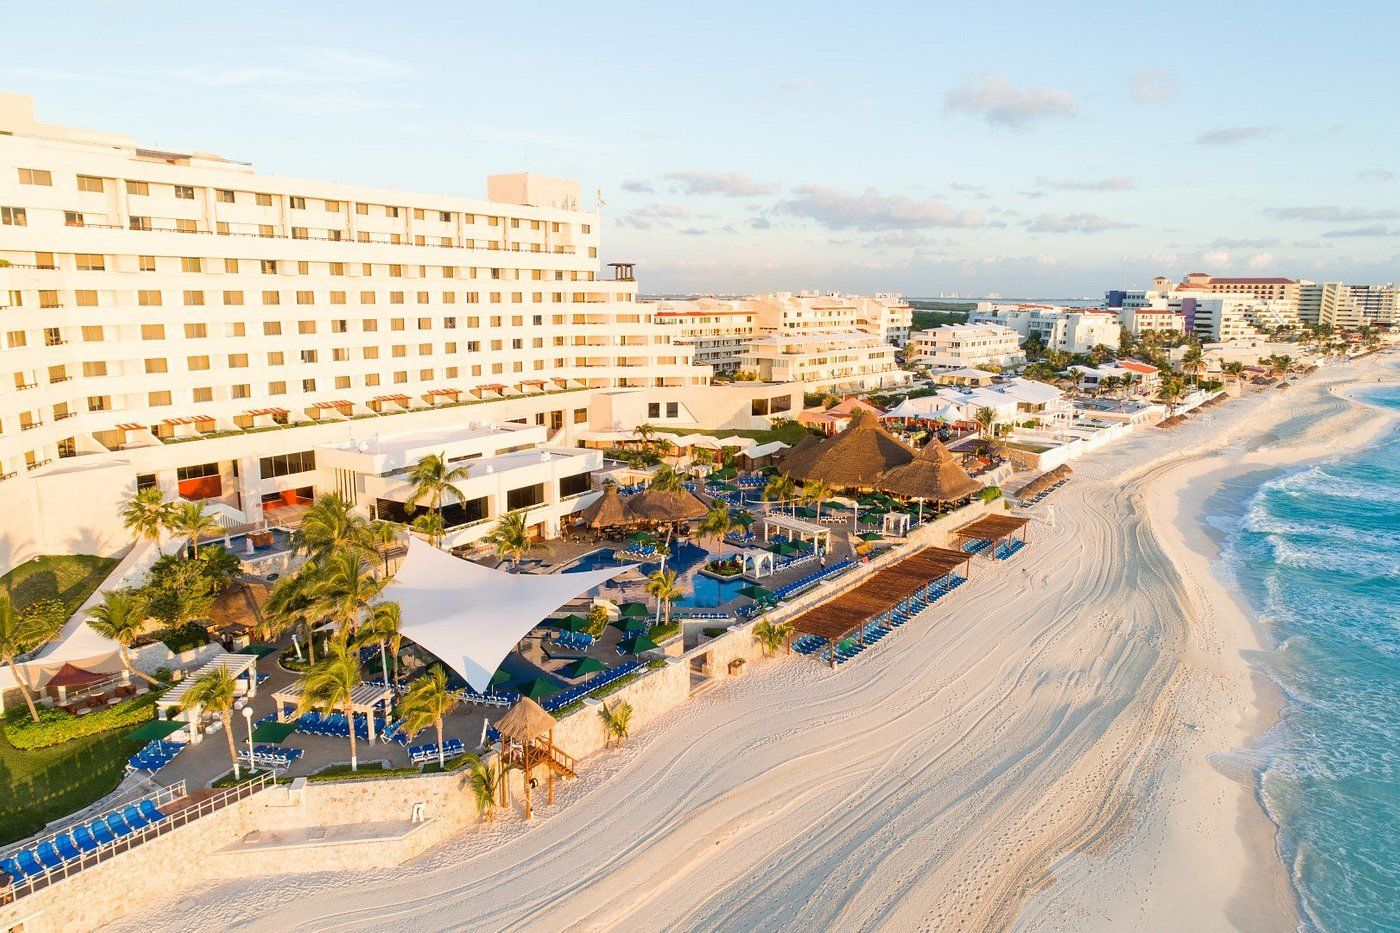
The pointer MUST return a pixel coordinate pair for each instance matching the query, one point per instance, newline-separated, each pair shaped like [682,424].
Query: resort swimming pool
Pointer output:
[685,557]
[710,592]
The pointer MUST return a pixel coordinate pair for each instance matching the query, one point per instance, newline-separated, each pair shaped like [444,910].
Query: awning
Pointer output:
[155,729]
[471,617]
[69,676]
[274,731]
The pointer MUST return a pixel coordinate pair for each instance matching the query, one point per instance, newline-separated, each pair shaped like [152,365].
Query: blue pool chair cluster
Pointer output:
[712,614]
[273,756]
[334,724]
[491,697]
[578,641]
[156,754]
[975,547]
[878,626]
[578,691]
[422,754]
[812,579]
[37,860]
[751,482]
[1005,550]
[631,490]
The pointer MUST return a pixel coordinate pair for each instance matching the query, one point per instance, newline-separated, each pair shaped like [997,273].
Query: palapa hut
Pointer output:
[527,743]
[853,459]
[607,511]
[933,476]
[799,453]
[665,506]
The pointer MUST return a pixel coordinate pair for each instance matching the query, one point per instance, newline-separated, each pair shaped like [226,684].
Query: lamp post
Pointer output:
[248,718]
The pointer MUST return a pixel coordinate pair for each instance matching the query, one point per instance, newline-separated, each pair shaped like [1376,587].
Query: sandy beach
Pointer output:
[1060,744]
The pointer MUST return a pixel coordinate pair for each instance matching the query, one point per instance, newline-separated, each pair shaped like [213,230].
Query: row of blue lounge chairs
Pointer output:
[830,570]
[976,547]
[38,860]
[691,614]
[577,691]
[491,697]
[335,724]
[1044,492]
[273,756]
[156,754]
[1006,550]
[578,641]
[877,627]
[422,754]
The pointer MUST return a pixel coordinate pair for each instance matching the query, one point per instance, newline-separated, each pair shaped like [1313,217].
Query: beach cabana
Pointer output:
[853,459]
[663,506]
[607,511]
[527,743]
[933,476]
[991,530]
[367,699]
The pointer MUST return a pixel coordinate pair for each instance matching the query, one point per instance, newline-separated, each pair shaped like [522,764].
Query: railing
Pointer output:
[109,850]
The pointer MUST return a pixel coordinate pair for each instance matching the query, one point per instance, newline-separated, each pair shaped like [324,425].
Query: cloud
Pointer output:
[760,223]
[1073,223]
[1152,86]
[1329,213]
[692,231]
[868,210]
[1228,243]
[638,187]
[657,213]
[1373,230]
[1002,104]
[1115,183]
[961,186]
[1375,174]
[1261,261]
[731,184]
[1217,257]
[1231,135]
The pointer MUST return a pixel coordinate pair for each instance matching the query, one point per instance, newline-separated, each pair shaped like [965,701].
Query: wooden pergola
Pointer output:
[887,589]
[367,698]
[993,529]
[527,743]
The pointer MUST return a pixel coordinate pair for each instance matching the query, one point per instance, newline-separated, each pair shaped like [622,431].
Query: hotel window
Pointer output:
[272,328]
[15,339]
[191,264]
[35,176]
[233,298]
[13,217]
[276,358]
[371,353]
[91,184]
[287,464]
[308,356]
[422,298]
[196,331]
[391,212]
[401,377]
[72,219]
[337,268]
[184,192]
[272,298]
[425,375]
[306,298]
[333,207]
[99,403]
[183,225]
[425,349]
[85,298]
[396,271]
[340,326]
[240,391]
[587,228]
[231,266]
[146,263]
[398,351]
[299,233]
[342,382]
[297,203]
[156,365]
[238,361]
[396,298]
[369,325]
[263,200]
[44,261]
[158,399]
[203,394]
[197,363]
[366,298]
[362,209]
[92,333]
[425,323]
[95,368]
[137,187]
[139,223]
[194,299]
[306,327]
[148,298]
[337,298]
[269,266]
[224,196]
[580,416]
[266,231]
[235,329]
[152,331]
[396,323]
[340,355]
[418,213]
[90,262]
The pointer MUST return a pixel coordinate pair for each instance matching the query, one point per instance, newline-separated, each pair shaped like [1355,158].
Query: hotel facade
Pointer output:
[958,346]
[175,319]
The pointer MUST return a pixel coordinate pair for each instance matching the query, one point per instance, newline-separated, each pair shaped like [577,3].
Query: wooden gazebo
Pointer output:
[933,476]
[665,506]
[527,743]
[993,529]
[853,459]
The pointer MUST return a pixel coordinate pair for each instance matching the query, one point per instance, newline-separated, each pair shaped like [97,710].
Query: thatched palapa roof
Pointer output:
[934,475]
[799,453]
[853,459]
[525,722]
[659,505]
[607,510]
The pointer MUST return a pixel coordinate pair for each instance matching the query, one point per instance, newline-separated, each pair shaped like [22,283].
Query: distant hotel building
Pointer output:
[716,331]
[958,346]
[1071,330]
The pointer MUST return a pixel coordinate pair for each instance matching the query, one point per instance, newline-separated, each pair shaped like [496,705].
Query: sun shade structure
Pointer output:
[571,623]
[155,729]
[607,511]
[537,688]
[524,722]
[69,677]
[992,528]
[274,731]
[659,505]
[934,475]
[1043,482]
[577,669]
[471,617]
[853,459]
[638,643]
[634,611]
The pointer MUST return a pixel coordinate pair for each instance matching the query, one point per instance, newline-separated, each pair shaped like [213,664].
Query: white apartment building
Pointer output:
[176,319]
[825,361]
[959,346]
[1071,330]
[1141,311]
[1378,304]
[716,331]
[886,315]
[1223,318]
[1330,303]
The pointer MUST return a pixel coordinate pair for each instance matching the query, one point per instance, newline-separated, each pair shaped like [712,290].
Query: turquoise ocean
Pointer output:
[1316,552]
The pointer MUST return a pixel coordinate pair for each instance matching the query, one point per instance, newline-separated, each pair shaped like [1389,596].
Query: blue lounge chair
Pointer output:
[10,867]
[133,818]
[48,856]
[149,811]
[101,832]
[118,825]
[66,848]
[29,863]
[83,837]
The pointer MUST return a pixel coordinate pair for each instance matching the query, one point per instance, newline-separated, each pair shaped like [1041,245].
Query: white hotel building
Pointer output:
[175,319]
[1071,330]
[967,346]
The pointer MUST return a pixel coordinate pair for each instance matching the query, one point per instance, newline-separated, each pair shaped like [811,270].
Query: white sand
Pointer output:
[1033,748]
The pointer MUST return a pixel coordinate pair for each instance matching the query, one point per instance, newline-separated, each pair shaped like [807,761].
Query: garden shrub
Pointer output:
[56,725]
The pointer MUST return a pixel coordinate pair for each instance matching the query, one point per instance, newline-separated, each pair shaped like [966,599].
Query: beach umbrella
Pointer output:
[584,666]
[755,592]
[537,688]
[783,549]
[274,732]
[642,537]
[634,611]
[639,643]
[571,623]
[633,624]
[871,536]
[499,678]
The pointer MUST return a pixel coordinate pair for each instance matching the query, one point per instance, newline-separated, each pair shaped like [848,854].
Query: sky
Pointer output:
[1021,149]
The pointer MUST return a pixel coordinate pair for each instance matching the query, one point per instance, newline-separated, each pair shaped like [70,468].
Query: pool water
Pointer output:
[711,592]
[685,557]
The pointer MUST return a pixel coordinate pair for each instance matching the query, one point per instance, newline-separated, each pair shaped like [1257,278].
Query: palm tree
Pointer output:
[432,526]
[344,591]
[771,636]
[597,621]
[146,514]
[818,491]
[511,539]
[1169,393]
[330,686]
[666,479]
[1192,364]
[645,432]
[616,721]
[779,489]
[427,702]
[121,616]
[717,523]
[384,628]
[662,586]
[18,635]
[215,692]
[727,453]
[1235,370]
[484,785]
[293,603]
[190,519]
[383,535]
[330,526]
[219,567]
[434,479]
[986,419]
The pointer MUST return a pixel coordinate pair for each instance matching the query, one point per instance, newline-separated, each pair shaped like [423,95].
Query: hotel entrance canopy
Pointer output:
[470,616]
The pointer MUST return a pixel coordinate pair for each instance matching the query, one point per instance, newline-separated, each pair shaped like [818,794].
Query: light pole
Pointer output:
[248,718]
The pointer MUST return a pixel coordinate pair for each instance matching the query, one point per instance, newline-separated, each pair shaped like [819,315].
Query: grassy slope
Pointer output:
[43,784]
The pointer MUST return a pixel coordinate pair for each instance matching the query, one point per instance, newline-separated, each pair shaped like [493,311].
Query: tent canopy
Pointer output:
[471,617]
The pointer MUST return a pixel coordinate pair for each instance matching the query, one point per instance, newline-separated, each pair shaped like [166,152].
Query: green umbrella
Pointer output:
[871,536]
[155,729]
[634,611]
[726,473]
[537,688]
[754,591]
[724,487]
[633,624]
[641,537]
[571,623]
[259,651]
[639,643]
[498,678]
[274,731]
[804,512]
[742,518]
[584,666]
[783,549]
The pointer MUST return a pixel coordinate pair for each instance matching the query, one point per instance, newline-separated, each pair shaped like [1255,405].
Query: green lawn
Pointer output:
[70,578]
[41,785]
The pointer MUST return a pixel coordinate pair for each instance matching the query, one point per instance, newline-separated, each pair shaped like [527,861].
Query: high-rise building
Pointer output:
[1328,303]
[1377,304]
[717,331]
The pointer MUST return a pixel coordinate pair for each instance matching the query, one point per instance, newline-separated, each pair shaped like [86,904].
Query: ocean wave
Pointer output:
[1318,481]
